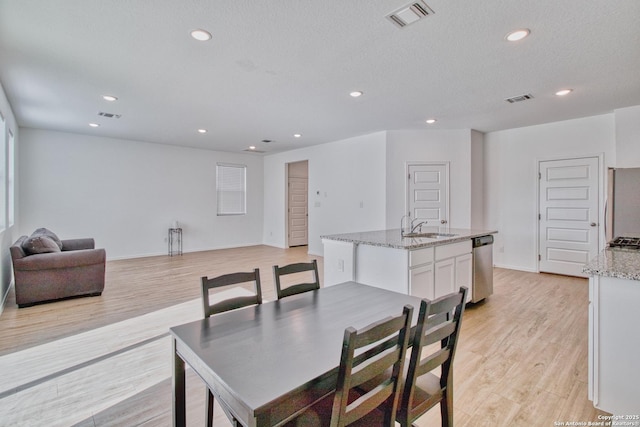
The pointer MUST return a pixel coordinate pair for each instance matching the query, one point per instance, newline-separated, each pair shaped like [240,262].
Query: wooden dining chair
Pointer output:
[292,269]
[366,354]
[229,299]
[438,320]
[220,302]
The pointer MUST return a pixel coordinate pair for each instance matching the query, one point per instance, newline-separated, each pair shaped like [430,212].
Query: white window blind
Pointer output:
[231,189]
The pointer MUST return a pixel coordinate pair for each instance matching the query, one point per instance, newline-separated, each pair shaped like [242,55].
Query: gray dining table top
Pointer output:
[262,356]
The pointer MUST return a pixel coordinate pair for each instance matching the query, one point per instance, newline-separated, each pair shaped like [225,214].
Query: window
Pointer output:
[231,189]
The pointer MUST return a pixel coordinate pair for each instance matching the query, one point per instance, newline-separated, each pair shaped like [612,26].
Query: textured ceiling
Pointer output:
[276,68]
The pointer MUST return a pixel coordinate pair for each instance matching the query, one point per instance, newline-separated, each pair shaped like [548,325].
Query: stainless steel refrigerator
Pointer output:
[623,203]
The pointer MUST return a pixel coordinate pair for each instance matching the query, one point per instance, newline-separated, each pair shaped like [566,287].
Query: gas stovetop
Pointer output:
[625,243]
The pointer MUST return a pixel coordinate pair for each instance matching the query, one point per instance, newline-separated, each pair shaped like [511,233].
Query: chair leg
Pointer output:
[209,420]
[232,419]
[446,409]
[403,419]
[209,400]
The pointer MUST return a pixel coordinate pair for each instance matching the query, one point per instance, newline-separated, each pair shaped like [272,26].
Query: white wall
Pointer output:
[477,181]
[453,146]
[126,194]
[343,176]
[511,178]
[7,235]
[628,137]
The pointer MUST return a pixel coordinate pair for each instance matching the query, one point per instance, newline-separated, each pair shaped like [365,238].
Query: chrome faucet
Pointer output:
[402,232]
[412,228]
[418,225]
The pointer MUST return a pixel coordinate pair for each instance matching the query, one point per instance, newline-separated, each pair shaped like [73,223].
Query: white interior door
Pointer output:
[428,193]
[568,217]
[297,200]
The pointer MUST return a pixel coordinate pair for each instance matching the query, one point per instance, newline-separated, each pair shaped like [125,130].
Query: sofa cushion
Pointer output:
[50,234]
[40,245]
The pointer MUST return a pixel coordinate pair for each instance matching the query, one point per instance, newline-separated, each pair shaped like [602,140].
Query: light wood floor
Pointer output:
[106,361]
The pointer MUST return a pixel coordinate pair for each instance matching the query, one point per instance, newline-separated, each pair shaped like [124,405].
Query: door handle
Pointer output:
[444,221]
[593,224]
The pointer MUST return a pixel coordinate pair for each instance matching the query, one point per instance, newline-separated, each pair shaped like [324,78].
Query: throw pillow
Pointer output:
[40,245]
[50,234]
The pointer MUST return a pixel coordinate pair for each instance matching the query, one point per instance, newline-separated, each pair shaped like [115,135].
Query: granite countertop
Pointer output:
[394,239]
[620,263]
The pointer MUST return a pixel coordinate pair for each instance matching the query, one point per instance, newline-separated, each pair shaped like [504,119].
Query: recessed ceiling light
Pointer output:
[252,147]
[94,125]
[202,131]
[297,135]
[431,121]
[201,35]
[356,93]
[109,98]
[514,36]
[564,92]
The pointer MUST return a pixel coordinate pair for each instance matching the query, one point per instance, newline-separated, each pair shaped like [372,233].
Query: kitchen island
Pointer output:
[437,261]
[614,341]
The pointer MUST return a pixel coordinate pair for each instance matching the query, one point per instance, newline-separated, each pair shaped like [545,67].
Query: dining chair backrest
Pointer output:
[438,321]
[298,288]
[221,302]
[217,305]
[366,355]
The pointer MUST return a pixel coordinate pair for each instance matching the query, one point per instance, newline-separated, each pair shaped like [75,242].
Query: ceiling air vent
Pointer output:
[519,98]
[109,115]
[410,14]
[254,151]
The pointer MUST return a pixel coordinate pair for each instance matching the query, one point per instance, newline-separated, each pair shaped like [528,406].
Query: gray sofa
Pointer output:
[76,269]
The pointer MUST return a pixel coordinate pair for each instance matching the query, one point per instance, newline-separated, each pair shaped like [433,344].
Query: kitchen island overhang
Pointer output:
[427,267]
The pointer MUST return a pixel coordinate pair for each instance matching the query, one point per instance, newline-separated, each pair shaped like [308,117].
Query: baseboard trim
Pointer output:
[148,255]
[4,297]
[513,267]
[314,254]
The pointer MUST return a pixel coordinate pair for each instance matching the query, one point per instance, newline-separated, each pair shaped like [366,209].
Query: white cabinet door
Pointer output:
[616,345]
[421,281]
[464,273]
[444,275]
[594,284]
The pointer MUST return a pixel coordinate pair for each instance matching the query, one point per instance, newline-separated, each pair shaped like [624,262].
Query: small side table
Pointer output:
[175,241]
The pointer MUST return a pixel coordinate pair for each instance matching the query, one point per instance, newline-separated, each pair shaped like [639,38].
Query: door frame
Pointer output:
[447,166]
[286,201]
[601,198]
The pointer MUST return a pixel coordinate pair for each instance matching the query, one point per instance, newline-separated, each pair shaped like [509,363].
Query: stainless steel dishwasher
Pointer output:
[482,267]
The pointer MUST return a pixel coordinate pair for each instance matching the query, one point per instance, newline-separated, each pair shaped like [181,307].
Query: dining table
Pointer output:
[269,362]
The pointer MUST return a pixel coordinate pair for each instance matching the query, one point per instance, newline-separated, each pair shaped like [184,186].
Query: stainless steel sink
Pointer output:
[429,235]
